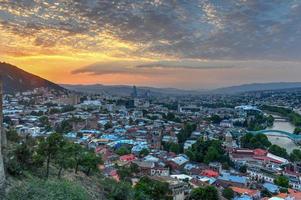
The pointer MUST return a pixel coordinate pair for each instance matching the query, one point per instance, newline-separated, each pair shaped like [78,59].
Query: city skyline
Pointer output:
[188,45]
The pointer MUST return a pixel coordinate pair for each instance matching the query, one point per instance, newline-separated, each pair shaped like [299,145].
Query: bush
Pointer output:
[37,189]
[228,193]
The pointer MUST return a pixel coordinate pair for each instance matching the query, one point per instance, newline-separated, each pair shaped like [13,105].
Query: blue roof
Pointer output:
[271,187]
[243,197]
[233,178]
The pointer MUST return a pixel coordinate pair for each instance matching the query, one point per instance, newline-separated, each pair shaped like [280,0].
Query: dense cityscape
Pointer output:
[150,100]
[143,146]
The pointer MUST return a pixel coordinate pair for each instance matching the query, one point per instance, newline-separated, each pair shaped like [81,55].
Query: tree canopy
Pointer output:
[253,141]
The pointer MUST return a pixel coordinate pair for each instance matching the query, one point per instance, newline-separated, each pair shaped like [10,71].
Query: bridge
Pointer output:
[278,133]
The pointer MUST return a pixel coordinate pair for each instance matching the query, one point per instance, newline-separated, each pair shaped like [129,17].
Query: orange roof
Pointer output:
[295,193]
[282,195]
[128,157]
[209,173]
[244,191]
[260,152]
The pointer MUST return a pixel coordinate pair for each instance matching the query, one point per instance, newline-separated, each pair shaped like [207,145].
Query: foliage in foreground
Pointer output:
[37,189]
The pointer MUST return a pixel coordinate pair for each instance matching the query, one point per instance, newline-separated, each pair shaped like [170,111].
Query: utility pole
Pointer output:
[2,172]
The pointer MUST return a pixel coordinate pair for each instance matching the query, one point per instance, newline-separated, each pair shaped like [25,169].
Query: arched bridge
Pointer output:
[294,137]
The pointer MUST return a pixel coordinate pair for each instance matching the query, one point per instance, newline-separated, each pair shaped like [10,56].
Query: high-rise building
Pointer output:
[135,93]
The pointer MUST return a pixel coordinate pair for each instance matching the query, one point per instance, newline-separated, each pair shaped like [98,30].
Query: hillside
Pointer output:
[18,80]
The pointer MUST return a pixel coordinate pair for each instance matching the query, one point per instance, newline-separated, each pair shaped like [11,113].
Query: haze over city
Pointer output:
[196,44]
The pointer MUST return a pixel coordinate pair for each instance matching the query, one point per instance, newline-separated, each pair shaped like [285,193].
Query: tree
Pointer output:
[90,161]
[13,136]
[172,147]
[295,156]
[228,193]
[212,155]
[153,188]
[243,169]
[216,119]
[252,141]
[108,125]
[144,152]
[44,121]
[78,155]
[65,126]
[208,151]
[185,132]
[64,157]
[282,181]
[297,130]
[204,193]
[123,151]
[278,151]
[49,147]
[117,191]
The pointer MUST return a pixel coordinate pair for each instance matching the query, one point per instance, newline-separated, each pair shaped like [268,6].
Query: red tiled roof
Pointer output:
[249,192]
[210,173]
[128,157]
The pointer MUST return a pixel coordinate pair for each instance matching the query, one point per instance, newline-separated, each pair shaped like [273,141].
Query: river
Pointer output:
[283,142]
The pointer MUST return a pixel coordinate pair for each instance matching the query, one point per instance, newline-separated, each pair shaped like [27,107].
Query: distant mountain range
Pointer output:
[18,80]
[125,90]
[258,87]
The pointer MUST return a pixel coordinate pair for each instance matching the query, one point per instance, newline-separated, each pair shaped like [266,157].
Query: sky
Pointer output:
[189,44]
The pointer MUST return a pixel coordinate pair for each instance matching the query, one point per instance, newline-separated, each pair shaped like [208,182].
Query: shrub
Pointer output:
[37,189]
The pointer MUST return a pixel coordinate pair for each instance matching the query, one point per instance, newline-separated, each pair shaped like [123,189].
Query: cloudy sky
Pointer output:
[162,43]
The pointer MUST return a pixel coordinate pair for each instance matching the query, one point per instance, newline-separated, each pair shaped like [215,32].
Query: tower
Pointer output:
[229,139]
[135,93]
[2,173]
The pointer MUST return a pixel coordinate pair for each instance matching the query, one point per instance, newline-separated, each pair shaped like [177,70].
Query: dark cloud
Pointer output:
[196,29]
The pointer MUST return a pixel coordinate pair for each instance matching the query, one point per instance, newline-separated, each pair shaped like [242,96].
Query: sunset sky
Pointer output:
[191,44]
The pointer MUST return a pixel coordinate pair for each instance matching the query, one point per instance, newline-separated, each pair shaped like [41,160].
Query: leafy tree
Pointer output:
[78,155]
[7,120]
[185,133]
[252,141]
[64,157]
[282,181]
[49,147]
[68,108]
[297,130]
[172,147]
[108,125]
[65,126]
[243,169]
[208,151]
[278,151]
[204,193]
[216,119]
[124,173]
[13,136]
[152,188]
[123,151]
[295,156]
[44,121]
[265,193]
[228,193]
[117,191]
[90,161]
[212,155]
[143,153]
